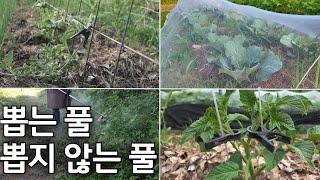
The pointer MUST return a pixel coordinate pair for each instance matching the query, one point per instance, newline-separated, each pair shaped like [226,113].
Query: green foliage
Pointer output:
[6,9]
[306,150]
[7,62]
[240,62]
[52,63]
[310,7]
[314,133]
[208,124]
[127,123]
[236,116]
[169,1]
[298,103]
[225,171]
[275,117]
[272,159]
[237,158]
[274,110]
[242,48]
[164,15]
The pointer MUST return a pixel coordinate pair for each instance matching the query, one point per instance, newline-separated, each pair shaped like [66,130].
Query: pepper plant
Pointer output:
[265,119]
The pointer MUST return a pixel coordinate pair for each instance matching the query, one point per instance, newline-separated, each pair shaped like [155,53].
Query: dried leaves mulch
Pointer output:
[180,162]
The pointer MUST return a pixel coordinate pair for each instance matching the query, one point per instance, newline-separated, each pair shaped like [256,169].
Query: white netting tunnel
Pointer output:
[216,43]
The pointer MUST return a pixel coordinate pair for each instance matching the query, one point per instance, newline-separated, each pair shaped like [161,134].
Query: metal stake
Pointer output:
[82,103]
[92,33]
[80,6]
[122,43]
[260,109]
[217,112]
[67,11]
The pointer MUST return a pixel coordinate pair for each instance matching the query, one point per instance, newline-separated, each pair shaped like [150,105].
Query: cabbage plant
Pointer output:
[242,63]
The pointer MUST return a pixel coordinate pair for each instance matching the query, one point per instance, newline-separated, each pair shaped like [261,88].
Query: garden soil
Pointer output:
[282,78]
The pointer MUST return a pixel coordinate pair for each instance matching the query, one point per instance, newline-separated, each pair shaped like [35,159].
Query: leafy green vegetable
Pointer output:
[287,40]
[242,62]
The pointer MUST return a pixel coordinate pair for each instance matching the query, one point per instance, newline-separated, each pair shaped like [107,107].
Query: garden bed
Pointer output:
[213,45]
[36,52]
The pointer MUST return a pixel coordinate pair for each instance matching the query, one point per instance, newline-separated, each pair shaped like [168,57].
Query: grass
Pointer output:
[164,17]
[6,8]
[302,7]
[169,1]
[16,96]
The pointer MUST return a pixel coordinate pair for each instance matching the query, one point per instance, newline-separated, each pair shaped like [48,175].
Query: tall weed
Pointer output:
[6,8]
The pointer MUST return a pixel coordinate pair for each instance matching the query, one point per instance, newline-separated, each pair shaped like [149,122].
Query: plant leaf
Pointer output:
[191,65]
[225,171]
[207,122]
[236,116]
[268,66]
[282,121]
[268,97]
[306,150]
[248,99]
[207,135]
[298,102]
[287,40]
[240,75]
[272,159]
[235,51]
[237,158]
[314,133]
[212,59]
[217,42]
[251,57]
[194,129]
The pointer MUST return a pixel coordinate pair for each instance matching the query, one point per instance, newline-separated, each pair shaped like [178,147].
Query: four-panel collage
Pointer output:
[160,89]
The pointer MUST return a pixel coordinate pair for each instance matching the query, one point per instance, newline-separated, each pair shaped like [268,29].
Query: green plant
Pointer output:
[127,123]
[49,32]
[6,9]
[240,62]
[169,1]
[310,7]
[247,51]
[267,114]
